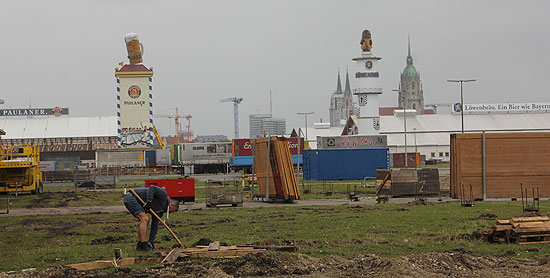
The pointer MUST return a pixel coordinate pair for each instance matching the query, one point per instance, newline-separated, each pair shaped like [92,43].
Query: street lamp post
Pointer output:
[305,118]
[461,97]
[404,126]
[415,147]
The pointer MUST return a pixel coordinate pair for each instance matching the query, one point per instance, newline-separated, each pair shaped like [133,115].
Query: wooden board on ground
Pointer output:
[113,263]
[172,256]
[214,246]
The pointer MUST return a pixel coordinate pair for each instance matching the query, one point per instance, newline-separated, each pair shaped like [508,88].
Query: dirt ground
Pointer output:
[457,263]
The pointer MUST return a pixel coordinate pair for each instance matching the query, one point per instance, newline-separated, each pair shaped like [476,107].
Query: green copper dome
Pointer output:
[410,71]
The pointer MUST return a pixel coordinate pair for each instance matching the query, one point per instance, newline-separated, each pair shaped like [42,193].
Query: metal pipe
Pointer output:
[462,106]
[298,159]
[253,167]
[484,166]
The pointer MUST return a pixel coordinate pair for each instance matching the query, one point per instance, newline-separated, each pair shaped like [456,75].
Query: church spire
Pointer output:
[339,84]
[409,57]
[347,90]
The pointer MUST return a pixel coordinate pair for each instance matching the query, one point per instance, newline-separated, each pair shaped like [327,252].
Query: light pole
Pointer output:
[305,117]
[415,147]
[461,97]
[404,124]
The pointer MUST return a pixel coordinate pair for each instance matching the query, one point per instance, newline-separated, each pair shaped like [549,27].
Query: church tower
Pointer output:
[349,108]
[411,95]
[341,103]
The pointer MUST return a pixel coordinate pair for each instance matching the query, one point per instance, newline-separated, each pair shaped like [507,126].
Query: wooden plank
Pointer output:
[214,246]
[92,265]
[536,235]
[287,248]
[225,248]
[531,225]
[229,253]
[534,242]
[530,231]
[529,219]
[107,264]
[172,256]
[503,222]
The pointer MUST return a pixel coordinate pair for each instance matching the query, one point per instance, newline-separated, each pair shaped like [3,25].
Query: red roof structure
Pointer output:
[134,68]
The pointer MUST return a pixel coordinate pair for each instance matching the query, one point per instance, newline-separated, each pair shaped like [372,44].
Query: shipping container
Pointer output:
[244,161]
[205,153]
[398,159]
[48,166]
[119,158]
[150,158]
[352,142]
[162,157]
[244,147]
[65,165]
[497,164]
[174,154]
[344,164]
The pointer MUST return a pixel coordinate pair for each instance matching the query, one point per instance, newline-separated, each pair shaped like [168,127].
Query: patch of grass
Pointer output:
[68,199]
[388,230]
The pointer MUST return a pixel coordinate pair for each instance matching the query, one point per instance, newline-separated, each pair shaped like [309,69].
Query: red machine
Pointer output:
[178,189]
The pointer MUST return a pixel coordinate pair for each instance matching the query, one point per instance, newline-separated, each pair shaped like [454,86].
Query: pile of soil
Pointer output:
[457,263]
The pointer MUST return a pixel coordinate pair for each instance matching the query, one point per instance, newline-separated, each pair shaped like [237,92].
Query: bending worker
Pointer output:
[157,200]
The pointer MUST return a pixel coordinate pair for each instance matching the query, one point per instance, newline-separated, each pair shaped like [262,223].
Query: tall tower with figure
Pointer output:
[135,106]
[411,95]
[366,87]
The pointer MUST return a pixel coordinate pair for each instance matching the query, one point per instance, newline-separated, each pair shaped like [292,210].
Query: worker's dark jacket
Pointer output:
[159,203]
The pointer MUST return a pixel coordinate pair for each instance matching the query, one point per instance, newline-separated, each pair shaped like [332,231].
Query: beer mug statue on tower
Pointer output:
[134,47]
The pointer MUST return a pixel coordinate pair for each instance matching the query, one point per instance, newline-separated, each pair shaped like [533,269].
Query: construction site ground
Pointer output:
[336,237]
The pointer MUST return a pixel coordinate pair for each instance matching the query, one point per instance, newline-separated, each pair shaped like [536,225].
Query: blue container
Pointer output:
[344,164]
[150,158]
[248,160]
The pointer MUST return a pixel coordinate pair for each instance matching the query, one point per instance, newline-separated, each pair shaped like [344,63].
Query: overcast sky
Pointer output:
[63,53]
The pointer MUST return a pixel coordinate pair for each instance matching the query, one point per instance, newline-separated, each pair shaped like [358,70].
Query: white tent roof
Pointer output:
[472,123]
[58,127]
[435,129]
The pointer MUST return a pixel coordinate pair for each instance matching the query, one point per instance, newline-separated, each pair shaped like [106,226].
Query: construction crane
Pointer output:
[159,139]
[176,118]
[236,101]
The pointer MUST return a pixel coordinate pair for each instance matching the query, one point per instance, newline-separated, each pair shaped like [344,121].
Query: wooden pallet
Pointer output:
[521,230]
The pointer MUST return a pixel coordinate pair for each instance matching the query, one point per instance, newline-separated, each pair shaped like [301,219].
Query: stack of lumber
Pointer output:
[282,177]
[408,182]
[522,230]
[383,181]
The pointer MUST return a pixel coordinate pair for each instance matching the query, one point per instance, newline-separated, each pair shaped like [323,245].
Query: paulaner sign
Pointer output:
[56,111]
[533,107]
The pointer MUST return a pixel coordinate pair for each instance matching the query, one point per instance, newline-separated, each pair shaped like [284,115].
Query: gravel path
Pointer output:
[194,206]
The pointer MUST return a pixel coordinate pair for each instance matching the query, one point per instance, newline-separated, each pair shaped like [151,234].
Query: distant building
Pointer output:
[341,104]
[411,95]
[211,138]
[264,124]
